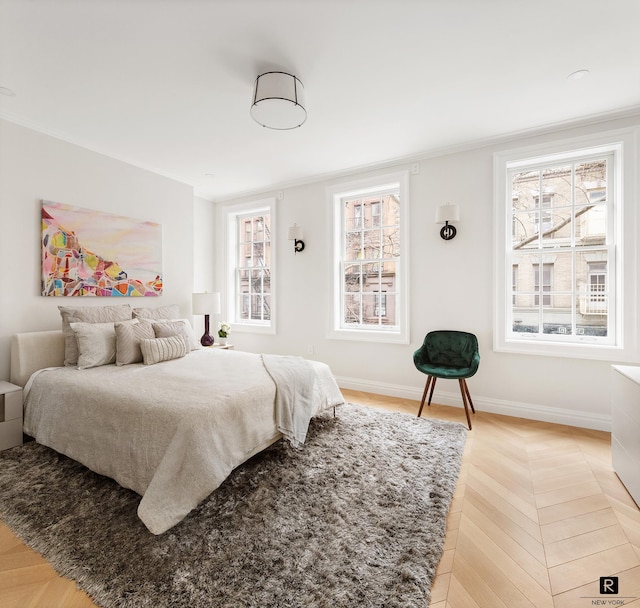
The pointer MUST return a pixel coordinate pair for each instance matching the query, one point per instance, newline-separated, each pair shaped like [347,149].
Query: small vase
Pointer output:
[222,341]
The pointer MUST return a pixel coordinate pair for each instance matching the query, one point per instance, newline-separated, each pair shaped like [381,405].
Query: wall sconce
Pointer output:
[445,214]
[295,235]
[206,304]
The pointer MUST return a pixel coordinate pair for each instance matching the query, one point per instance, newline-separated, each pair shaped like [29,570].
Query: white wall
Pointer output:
[33,167]
[204,240]
[451,282]
[451,288]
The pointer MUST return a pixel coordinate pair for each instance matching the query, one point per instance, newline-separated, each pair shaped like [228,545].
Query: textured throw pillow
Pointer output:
[171,311]
[87,314]
[96,343]
[181,327]
[193,343]
[128,336]
[162,349]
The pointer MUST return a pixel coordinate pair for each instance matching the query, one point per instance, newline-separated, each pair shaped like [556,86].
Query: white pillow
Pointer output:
[171,327]
[87,314]
[128,336]
[171,311]
[162,349]
[96,343]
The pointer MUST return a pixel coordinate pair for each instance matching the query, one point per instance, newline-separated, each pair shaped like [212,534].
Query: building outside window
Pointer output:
[380,308]
[594,301]
[356,224]
[253,273]
[546,214]
[543,289]
[375,213]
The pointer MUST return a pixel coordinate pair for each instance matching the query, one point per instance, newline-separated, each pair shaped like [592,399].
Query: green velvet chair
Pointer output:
[448,354]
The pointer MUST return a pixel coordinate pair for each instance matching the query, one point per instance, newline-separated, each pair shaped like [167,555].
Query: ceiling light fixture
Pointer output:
[278,101]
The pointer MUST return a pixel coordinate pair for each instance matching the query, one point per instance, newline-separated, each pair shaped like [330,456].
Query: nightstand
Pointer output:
[10,415]
[223,346]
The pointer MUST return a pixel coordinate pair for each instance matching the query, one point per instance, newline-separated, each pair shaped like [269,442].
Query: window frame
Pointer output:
[233,299]
[369,187]
[624,343]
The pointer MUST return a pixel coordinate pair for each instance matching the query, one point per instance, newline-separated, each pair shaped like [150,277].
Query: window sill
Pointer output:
[368,336]
[248,328]
[587,350]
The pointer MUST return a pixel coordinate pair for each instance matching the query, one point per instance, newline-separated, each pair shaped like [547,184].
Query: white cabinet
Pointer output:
[625,435]
[10,415]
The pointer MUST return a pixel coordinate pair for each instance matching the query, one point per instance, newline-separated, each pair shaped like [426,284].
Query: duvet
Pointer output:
[172,432]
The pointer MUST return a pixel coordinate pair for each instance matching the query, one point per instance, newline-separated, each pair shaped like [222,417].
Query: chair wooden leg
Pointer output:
[466,390]
[424,394]
[433,385]
[464,400]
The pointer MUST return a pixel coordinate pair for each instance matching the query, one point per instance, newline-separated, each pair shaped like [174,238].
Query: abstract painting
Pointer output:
[90,253]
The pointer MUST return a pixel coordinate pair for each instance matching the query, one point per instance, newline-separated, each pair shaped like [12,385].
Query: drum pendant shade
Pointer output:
[278,101]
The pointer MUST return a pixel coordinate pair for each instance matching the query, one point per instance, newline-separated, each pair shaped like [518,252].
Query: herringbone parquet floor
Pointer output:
[538,517]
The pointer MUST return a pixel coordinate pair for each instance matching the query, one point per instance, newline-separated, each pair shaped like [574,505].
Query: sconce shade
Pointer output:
[278,101]
[295,233]
[206,303]
[447,213]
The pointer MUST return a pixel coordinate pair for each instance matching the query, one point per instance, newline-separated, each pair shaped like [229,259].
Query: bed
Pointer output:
[173,431]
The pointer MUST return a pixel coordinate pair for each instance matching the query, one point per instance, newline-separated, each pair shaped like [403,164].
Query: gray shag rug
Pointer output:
[355,518]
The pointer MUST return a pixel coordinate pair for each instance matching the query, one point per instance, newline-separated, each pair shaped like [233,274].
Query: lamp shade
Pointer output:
[206,303]
[278,101]
[447,213]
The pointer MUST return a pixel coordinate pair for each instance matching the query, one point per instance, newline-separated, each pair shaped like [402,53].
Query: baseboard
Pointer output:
[530,411]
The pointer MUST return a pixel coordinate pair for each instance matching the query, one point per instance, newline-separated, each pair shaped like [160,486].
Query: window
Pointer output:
[594,301]
[357,216]
[370,269]
[375,213]
[380,307]
[546,216]
[553,226]
[545,287]
[250,263]
[560,246]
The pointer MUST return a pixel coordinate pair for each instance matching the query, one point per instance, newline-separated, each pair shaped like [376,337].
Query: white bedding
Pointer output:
[172,432]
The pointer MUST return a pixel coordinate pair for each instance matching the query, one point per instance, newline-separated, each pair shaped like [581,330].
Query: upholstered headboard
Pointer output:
[33,351]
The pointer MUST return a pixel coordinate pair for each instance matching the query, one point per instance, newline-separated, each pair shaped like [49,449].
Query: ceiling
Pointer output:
[166,84]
